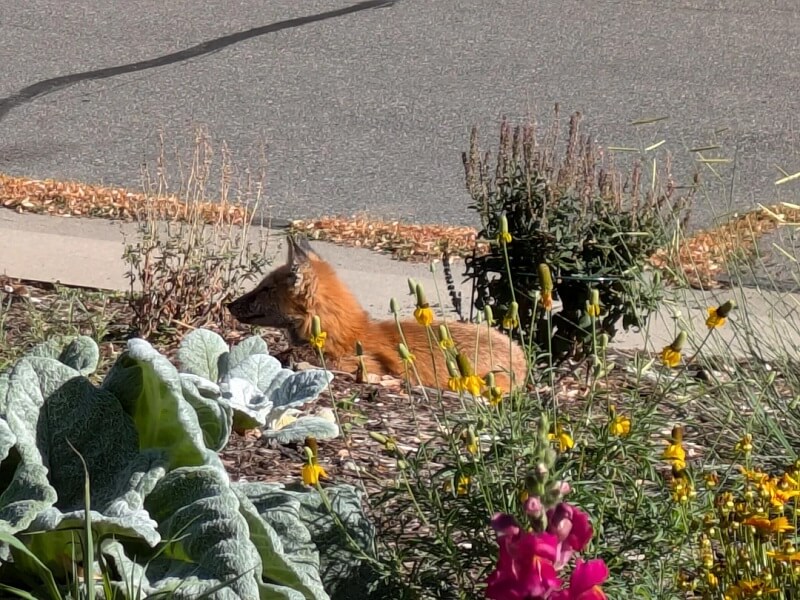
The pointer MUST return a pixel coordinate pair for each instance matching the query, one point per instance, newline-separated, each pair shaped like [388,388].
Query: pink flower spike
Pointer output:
[586,579]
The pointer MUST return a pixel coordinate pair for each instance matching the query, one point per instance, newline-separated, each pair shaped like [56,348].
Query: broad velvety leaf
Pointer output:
[251,346]
[215,417]
[302,428]
[79,352]
[200,353]
[149,389]
[300,388]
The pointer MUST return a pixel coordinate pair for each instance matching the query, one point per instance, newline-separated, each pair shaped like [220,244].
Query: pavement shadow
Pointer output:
[47,86]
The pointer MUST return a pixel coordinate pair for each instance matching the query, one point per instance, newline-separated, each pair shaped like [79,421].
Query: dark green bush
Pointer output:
[573,212]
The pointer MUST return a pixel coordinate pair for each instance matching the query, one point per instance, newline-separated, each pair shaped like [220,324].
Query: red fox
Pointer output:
[291,295]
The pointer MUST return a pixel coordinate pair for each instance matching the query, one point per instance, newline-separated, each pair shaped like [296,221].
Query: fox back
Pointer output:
[291,295]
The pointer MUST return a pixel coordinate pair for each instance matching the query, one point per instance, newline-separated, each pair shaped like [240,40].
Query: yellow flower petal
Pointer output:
[312,472]
[620,426]
[318,341]
[670,357]
[423,315]
[472,384]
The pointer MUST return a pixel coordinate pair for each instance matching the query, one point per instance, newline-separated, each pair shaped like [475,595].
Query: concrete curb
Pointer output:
[88,253]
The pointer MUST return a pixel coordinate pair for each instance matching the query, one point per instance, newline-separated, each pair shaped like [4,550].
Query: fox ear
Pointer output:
[300,257]
[300,250]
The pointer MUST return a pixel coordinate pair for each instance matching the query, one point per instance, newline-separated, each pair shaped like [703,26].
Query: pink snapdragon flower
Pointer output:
[572,527]
[525,568]
[529,562]
[585,581]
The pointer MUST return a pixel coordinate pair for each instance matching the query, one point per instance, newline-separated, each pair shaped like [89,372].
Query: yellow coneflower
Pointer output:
[511,318]
[717,316]
[472,445]
[593,305]
[318,337]
[462,485]
[745,444]
[560,435]
[423,313]
[470,382]
[504,237]
[312,471]
[445,341]
[620,425]
[454,381]
[674,452]
[671,355]
[493,392]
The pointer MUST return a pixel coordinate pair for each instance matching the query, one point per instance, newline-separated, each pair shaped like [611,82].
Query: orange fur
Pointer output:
[306,286]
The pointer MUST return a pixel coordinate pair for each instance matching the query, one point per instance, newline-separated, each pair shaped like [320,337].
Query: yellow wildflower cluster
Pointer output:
[462,378]
[749,531]
[422,313]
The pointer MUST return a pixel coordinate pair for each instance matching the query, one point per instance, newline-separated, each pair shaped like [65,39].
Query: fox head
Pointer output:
[285,298]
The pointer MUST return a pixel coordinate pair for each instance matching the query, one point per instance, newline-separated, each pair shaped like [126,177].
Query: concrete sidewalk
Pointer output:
[88,253]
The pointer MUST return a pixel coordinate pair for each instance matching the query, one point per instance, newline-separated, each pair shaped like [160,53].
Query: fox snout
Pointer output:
[246,308]
[239,308]
[257,307]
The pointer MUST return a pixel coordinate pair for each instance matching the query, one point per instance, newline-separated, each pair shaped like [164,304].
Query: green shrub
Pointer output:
[594,231]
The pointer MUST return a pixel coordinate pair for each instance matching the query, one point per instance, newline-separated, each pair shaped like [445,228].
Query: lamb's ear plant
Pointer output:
[254,386]
[164,517]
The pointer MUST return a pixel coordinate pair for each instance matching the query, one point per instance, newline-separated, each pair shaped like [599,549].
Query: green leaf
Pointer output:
[149,389]
[200,353]
[45,575]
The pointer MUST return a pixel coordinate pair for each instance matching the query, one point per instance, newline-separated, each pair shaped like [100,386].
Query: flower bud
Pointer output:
[677,344]
[393,306]
[602,341]
[412,286]
[594,297]
[723,310]
[464,365]
[316,326]
[452,369]
[534,508]
[404,352]
[545,279]
[422,301]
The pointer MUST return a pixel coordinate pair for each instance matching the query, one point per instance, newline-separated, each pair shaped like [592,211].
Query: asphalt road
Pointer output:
[368,106]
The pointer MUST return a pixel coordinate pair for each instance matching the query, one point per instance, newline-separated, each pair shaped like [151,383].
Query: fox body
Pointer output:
[291,295]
